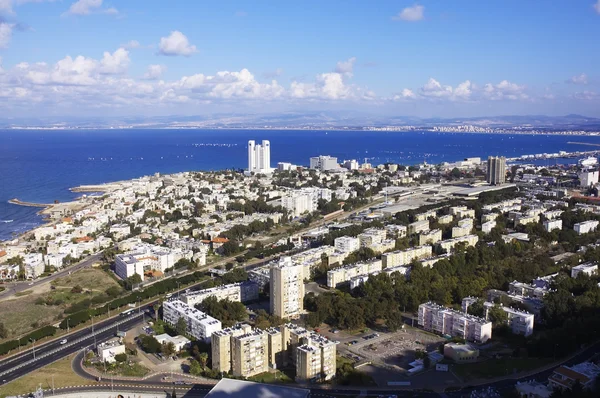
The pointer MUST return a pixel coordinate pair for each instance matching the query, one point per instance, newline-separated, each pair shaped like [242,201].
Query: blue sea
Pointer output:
[41,165]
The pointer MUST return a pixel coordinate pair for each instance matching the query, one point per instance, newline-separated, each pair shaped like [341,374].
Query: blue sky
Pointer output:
[427,58]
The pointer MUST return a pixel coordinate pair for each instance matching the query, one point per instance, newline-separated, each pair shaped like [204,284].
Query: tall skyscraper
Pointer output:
[287,288]
[496,170]
[259,157]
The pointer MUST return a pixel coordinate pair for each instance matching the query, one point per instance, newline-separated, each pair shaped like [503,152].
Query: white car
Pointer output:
[63,341]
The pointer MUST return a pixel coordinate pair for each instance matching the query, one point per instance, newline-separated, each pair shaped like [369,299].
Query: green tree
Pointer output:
[3,331]
[497,316]
[120,358]
[167,349]
[150,344]
[203,358]
[181,326]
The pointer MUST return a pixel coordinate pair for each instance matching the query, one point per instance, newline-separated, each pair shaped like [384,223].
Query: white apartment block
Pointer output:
[445,219]
[54,260]
[120,230]
[526,219]
[588,178]
[487,227]
[426,215]
[552,214]
[405,257]
[286,288]
[462,212]
[458,232]
[240,292]
[520,322]
[489,217]
[198,324]
[384,246]
[220,345]
[418,226]
[304,200]
[448,245]
[145,258]
[337,276]
[346,244]
[585,227]
[323,163]
[359,280]
[439,319]
[371,236]
[430,261]
[108,350]
[587,269]
[398,231]
[430,237]
[551,225]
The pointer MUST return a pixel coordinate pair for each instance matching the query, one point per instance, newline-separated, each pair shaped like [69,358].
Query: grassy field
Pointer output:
[496,367]
[88,278]
[63,377]
[19,315]
[274,378]
[23,293]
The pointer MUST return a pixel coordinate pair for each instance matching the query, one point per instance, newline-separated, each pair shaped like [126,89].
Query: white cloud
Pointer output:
[154,72]
[405,94]
[115,63]
[176,44]
[433,88]
[597,6]
[87,7]
[585,95]
[6,30]
[327,86]
[346,67]
[579,79]
[504,90]
[410,14]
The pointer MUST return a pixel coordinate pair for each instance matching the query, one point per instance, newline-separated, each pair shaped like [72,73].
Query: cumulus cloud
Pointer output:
[154,72]
[346,67]
[176,44]
[114,63]
[579,79]
[405,94]
[6,30]
[466,91]
[87,7]
[327,86]
[504,90]
[585,95]
[433,88]
[6,7]
[410,14]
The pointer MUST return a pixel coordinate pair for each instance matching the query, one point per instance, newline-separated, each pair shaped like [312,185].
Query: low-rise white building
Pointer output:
[241,292]
[346,244]
[587,269]
[430,237]
[448,245]
[405,257]
[108,350]
[344,274]
[179,342]
[585,227]
[551,225]
[198,324]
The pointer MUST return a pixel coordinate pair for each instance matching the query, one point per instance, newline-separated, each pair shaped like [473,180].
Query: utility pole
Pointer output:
[33,348]
[52,384]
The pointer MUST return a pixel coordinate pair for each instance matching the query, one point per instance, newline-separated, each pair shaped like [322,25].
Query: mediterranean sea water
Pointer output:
[41,165]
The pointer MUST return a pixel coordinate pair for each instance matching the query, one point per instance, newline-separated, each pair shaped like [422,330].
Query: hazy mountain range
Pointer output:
[315,120]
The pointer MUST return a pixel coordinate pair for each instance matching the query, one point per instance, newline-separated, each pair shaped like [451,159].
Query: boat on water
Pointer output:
[589,161]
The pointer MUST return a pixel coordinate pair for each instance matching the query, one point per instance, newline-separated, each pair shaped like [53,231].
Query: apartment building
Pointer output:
[275,348]
[585,227]
[527,290]
[243,292]
[316,360]
[496,170]
[371,236]
[337,276]
[489,217]
[346,244]
[220,345]
[430,261]
[146,258]
[520,322]
[405,257]
[487,226]
[249,354]
[426,215]
[198,324]
[418,226]
[525,219]
[462,212]
[445,219]
[323,163]
[565,377]
[551,225]
[286,288]
[448,245]
[587,268]
[439,319]
[430,237]
[359,280]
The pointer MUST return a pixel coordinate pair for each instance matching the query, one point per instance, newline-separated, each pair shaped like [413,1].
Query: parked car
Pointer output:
[63,341]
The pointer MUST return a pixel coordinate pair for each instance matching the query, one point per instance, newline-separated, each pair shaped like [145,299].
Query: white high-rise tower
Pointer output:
[259,157]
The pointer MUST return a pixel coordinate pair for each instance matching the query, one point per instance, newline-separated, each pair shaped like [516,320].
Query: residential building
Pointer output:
[551,225]
[220,345]
[487,227]
[249,353]
[520,322]
[243,292]
[405,257]
[461,353]
[585,227]
[275,348]
[198,324]
[108,350]
[586,268]
[287,288]
[338,276]
[179,342]
[436,318]
[316,359]
[448,245]
[588,178]
[259,157]
[371,237]
[346,244]
[351,164]
[146,260]
[324,163]
[445,219]
[430,237]
[564,377]
[496,170]
[360,279]
[418,226]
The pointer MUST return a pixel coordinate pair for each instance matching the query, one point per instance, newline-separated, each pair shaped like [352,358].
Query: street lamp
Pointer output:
[33,348]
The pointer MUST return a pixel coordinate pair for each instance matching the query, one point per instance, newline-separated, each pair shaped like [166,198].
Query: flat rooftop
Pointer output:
[230,388]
